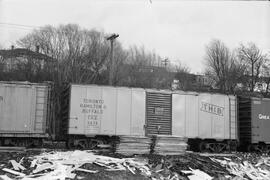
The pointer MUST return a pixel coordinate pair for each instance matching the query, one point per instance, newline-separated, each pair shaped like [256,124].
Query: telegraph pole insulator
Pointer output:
[113,37]
[166,61]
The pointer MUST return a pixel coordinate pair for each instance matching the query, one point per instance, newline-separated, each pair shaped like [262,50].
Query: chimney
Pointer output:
[12,47]
[37,48]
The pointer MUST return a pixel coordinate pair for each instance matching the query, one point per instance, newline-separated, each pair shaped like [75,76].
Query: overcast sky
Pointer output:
[178,30]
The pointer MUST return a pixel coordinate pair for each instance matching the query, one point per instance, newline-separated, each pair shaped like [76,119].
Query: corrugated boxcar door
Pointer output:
[158,113]
[233,118]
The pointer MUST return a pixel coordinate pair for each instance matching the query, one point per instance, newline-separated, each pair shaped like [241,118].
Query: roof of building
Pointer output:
[19,52]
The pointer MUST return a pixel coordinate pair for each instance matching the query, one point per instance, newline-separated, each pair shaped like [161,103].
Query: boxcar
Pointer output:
[254,123]
[208,120]
[98,112]
[24,113]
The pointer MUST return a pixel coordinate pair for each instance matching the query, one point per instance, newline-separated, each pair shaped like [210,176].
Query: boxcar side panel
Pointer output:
[108,121]
[192,119]
[178,115]
[205,117]
[93,110]
[138,112]
[33,109]
[219,116]
[76,117]
[16,109]
[2,105]
[123,111]
[101,110]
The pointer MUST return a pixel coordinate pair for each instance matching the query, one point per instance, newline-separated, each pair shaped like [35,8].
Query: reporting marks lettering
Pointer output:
[213,109]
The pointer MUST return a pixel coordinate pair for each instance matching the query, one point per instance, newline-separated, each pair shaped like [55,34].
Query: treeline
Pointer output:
[82,56]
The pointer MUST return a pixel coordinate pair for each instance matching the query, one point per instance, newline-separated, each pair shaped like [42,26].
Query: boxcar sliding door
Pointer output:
[158,113]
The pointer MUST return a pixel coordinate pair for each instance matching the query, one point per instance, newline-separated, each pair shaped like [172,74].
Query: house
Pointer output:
[23,63]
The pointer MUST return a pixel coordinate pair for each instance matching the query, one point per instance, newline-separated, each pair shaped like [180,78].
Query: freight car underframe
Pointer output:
[212,145]
[90,142]
[260,147]
[21,139]
[201,145]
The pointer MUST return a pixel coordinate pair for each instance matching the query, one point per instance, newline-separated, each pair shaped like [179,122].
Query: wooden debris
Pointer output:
[214,154]
[20,162]
[67,164]
[62,165]
[115,169]
[33,163]
[245,168]
[108,146]
[13,172]
[86,170]
[169,145]
[197,174]
[129,145]
[14,164]
[74,168]
[127,166]
[17,166]
[100,164]
[71,175]
[43,167]
[5,177]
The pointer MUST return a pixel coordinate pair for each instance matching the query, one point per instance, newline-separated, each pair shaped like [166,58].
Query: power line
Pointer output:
[20,25]
[18,28]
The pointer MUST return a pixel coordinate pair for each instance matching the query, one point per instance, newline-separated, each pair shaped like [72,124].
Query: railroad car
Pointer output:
[25,113]
[254,124]
[96,113]
[93,114]
[99,112]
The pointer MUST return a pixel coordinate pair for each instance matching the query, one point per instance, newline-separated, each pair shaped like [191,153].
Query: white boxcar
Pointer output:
[23,109]
[204,115]
[104,110]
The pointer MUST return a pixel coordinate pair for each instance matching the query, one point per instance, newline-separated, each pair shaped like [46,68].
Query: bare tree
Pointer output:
[141,70]
[266,77]
[183,76]
[221,66]
[80,55]
[253,58]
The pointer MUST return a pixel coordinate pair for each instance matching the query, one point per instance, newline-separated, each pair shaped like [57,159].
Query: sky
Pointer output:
[177,30]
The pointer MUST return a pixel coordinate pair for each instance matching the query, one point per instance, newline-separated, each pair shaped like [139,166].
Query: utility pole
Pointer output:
[165,61]
[111,73]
